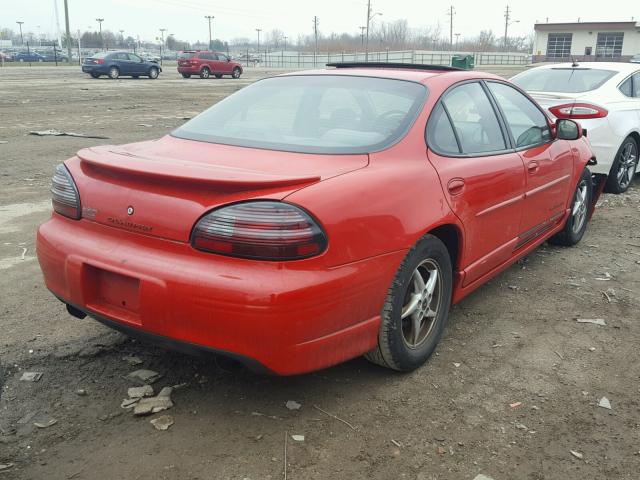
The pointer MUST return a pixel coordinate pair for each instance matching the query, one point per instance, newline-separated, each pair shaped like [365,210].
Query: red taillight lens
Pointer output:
[64,194]
[578,111]
[263,230]
[100,61]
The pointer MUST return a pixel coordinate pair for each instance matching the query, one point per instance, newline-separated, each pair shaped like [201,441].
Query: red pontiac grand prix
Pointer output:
[317,216]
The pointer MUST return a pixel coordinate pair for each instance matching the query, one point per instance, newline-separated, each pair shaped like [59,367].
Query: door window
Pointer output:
[528,125]
[474,119]
[134,58]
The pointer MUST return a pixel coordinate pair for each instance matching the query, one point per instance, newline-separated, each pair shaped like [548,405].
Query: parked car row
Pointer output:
[34,56]
[323,215]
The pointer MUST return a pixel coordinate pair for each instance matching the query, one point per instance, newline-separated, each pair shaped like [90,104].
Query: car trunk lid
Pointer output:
[163,187]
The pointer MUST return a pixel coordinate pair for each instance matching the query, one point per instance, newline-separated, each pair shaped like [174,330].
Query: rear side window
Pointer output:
[186,55]
[120,56]
[626,87]
[527,123]
[440,136]
[636,85]
[474,119]
[562,80]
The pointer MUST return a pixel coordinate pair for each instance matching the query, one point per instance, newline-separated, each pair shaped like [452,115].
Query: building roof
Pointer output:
[552,27]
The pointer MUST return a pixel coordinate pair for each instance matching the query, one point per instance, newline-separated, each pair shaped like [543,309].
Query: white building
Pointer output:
[586,41]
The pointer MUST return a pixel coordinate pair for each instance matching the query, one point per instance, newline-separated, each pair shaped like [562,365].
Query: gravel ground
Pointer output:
[513,389]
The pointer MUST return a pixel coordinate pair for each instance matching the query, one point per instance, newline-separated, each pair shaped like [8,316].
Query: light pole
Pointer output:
[100,20]
[258,30]
[457,39]
[21,38]
[162,30]
[209,17]
[67,30]
[362,29]
[121,38]
[369,18]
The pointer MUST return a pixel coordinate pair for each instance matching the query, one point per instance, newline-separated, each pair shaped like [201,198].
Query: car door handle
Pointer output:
[455,186]
[533,167]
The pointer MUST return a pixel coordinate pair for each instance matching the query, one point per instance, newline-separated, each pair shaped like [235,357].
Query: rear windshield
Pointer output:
[186,55]
[312,114]
[562,80]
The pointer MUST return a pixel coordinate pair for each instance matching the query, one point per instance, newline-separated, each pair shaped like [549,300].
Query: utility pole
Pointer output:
[369,18]
[507,22]
[162,30]
[285,42]
[79,50]
[209,17]
[457,39]
[362,29]
[121,37]
[366,48]
[100,20]
[315,33]
[21,38]
[451,13]
[67,30]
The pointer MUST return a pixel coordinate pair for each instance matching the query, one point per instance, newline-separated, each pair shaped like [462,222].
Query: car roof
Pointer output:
[420,75]
[615,66]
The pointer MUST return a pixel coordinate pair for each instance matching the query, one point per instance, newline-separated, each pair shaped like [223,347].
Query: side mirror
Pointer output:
[568,129]
[228,59]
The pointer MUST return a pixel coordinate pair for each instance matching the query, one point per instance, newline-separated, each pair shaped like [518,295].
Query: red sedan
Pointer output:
[317,216]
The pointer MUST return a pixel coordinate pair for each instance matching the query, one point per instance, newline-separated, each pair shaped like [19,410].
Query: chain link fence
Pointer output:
[295,60]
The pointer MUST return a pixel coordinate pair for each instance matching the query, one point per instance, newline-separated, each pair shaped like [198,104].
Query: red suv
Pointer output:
[205,64]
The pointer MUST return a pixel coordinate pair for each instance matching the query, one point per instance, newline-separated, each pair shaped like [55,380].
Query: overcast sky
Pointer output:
[239,18]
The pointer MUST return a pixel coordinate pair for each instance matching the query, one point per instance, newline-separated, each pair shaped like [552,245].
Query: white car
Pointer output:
[605,98]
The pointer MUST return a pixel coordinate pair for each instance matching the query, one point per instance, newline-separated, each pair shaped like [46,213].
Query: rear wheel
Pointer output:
[205,73]
[114,73]
[153,73]
[576,224]
[624,167]
[416,308]
[186,75]
[236,72]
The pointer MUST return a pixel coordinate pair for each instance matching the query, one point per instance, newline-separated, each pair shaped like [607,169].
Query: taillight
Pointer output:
[64,194]
[265,230]
[100,61]
[578,111]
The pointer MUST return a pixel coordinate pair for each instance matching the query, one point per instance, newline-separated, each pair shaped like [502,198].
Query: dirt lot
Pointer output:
[515,341]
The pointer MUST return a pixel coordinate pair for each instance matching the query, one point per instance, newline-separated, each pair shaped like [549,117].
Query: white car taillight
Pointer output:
[264,230]
[578,111]
[64,194]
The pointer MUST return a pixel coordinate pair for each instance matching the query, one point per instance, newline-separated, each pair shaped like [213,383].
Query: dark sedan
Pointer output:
[120,64]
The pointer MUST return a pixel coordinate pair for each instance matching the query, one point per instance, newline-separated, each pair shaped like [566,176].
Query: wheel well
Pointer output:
[450,236]
[636,137]
[205,67]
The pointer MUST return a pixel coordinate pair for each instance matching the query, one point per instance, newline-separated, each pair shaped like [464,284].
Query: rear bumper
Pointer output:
[604,142]
[193,69]
[101,69]
[290,317]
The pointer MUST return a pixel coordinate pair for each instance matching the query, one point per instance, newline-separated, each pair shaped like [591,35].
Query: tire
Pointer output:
[576,224]
[218,75]
[205,73]
[95,75]
[114,73]
[186,75]
[236,72]
[624,167]
[402,346]
[153,73]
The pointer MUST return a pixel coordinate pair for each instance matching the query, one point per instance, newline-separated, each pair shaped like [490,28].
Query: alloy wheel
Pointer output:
[580,207]
[422,303]
[627,165]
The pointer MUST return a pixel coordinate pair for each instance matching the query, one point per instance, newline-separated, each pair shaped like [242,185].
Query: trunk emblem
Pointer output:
[129,210]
